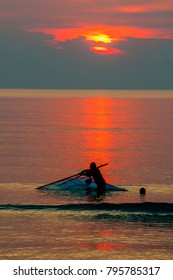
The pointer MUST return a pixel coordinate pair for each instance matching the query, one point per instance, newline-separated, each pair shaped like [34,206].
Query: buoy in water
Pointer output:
[142,191]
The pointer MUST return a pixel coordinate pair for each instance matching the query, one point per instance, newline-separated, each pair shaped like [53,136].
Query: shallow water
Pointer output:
[51,225]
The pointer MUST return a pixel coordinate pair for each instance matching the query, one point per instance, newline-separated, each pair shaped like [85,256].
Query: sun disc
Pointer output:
[100,38]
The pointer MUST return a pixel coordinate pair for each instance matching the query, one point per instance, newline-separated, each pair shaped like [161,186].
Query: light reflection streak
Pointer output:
[108,131]
[97,138]
[111,246]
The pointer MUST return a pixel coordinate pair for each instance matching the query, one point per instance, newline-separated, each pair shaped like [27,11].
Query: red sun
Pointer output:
[105,50]
[105,40]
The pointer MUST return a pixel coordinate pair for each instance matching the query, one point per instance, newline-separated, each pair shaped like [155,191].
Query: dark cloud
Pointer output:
[28,61]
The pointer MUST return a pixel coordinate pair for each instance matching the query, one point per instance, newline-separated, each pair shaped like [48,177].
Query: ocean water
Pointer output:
[49,135]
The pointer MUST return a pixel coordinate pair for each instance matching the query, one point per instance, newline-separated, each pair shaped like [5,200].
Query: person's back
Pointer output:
[98,178]
[96,174]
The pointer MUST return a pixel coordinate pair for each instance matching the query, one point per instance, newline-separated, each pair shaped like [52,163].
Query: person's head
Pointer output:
[92,165]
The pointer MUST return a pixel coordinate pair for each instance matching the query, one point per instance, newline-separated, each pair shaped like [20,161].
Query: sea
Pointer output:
[48,135]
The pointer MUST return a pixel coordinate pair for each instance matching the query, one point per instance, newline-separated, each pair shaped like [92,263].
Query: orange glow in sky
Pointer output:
[102,37]
[94,36]
[104,34]
[105,50]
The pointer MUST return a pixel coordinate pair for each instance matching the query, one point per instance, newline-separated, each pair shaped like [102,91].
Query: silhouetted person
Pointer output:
[95,173]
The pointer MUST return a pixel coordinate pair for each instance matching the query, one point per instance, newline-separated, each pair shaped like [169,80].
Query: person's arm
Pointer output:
[86,172]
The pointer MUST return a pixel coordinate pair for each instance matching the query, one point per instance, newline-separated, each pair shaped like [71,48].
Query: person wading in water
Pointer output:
[95,173]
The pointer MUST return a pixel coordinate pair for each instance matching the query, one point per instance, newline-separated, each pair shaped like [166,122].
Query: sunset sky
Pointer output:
[113,44]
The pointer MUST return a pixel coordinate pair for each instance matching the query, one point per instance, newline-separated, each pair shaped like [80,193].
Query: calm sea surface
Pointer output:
[48,136]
